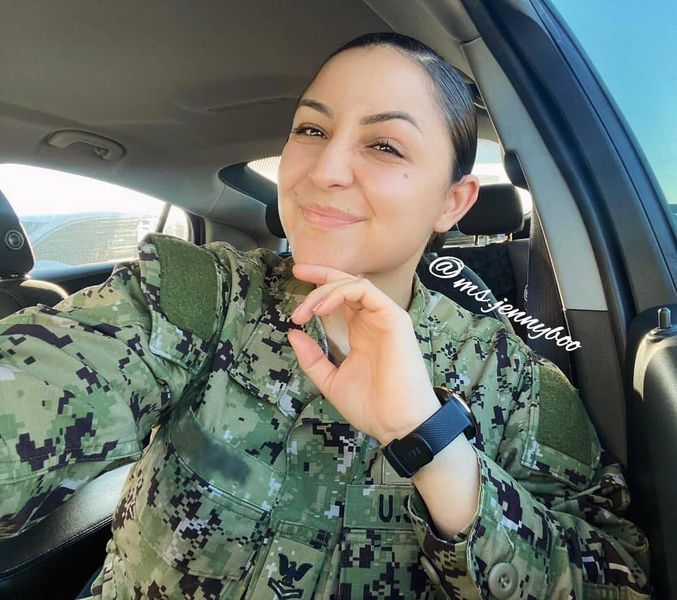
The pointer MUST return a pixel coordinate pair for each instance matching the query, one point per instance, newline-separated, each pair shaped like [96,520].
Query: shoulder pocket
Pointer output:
[183,286]
[561,440]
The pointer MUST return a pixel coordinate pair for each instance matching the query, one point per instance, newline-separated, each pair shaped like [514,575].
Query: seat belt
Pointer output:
[543,301]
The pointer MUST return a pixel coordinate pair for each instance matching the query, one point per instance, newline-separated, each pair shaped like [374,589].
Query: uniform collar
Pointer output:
[267,365]
[291,291]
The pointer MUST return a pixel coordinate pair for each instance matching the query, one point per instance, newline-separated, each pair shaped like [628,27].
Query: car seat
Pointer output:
[503,266]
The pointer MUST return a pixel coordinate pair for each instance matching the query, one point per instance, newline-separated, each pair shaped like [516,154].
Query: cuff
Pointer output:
[499,550]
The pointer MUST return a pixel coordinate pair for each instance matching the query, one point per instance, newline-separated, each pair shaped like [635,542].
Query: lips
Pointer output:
[328,217]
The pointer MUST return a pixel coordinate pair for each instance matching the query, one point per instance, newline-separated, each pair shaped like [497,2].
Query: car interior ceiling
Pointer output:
[203,110]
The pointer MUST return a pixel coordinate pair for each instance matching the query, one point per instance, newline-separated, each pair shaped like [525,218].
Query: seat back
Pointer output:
[458,293]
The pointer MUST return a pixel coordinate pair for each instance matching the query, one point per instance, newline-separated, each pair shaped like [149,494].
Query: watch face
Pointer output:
[413,452]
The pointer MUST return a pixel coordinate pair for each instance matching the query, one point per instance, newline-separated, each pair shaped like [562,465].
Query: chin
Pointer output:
[318,254]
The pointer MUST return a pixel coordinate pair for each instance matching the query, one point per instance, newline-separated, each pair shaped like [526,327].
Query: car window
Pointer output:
[632,55]
[76,220]
[488,167]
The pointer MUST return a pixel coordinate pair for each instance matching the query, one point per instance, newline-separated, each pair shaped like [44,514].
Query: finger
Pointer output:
[305,309]
[312,360]
[358,294]
[319,274]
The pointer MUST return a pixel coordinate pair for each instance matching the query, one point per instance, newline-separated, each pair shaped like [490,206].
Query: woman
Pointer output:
[275,392]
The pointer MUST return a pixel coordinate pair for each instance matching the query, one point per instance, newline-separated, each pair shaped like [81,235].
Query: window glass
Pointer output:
[488,167]
[177,223]
[631,47]
[75,220]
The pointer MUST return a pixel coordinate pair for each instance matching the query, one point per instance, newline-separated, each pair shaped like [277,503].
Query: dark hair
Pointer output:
[448,88]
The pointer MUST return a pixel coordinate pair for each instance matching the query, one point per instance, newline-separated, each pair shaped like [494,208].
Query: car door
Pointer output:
[593,78]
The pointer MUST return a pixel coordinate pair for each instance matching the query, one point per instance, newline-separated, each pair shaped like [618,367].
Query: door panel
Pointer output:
[74,278]
[652,441]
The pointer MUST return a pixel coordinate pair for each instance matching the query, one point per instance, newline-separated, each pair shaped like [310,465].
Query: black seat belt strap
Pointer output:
[543,299]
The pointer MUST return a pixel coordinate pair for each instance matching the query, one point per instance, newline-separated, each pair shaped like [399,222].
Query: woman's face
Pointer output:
[389,173]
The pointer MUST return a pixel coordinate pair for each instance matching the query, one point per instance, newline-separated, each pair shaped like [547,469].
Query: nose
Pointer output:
[333,166]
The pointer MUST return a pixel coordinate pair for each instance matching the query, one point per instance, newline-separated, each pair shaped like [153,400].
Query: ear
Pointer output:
[458,201]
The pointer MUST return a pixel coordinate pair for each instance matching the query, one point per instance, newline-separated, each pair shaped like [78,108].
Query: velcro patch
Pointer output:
[563,421]
[190,294]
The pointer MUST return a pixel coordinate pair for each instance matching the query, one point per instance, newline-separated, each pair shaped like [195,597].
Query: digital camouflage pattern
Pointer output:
[253,485]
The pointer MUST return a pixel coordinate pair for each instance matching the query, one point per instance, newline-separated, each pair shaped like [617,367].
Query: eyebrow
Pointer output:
[368,120]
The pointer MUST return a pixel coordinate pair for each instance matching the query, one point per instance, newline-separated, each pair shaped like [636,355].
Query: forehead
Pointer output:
[374,79]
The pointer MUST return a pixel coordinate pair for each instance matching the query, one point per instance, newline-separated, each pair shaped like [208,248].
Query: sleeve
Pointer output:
[82,383]
[549,518]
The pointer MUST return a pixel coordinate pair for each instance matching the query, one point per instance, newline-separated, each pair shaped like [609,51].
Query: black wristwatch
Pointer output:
[418,448]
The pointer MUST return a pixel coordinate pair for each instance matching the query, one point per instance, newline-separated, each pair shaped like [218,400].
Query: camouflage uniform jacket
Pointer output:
[254,486]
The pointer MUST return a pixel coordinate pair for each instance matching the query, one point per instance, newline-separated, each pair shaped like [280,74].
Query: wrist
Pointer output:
[410,449]
[424,411]
[450,457]
[451,479]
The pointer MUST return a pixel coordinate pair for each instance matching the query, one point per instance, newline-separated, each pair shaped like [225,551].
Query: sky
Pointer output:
[633,46]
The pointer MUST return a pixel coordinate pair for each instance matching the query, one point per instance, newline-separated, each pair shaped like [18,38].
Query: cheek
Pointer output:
[292,167]
[296,161]
[392,178]
[392,193]
[403,207]
[290,177]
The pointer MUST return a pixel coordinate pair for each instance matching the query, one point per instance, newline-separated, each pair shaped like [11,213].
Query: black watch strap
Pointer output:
[408,454]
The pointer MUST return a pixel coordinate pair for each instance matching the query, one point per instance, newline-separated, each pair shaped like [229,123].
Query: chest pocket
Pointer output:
[267,366]
[191,523]
[379,550]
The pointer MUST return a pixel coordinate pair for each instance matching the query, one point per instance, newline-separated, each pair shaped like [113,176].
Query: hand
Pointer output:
[382,388]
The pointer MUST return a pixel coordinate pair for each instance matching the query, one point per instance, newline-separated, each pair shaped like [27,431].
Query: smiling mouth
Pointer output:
[327,221]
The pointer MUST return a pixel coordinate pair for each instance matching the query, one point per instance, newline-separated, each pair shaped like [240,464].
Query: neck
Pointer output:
[399,289]
[397,284]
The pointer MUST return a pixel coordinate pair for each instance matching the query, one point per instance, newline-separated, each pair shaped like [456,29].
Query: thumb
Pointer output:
[312,360]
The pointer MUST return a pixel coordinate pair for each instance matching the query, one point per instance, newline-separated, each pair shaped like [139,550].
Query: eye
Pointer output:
[387,145]
[381,145]
[301,129]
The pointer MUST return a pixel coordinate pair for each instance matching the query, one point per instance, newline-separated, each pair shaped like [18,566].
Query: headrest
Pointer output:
[273,221]
[16,255]
[513,168]
[498,209]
